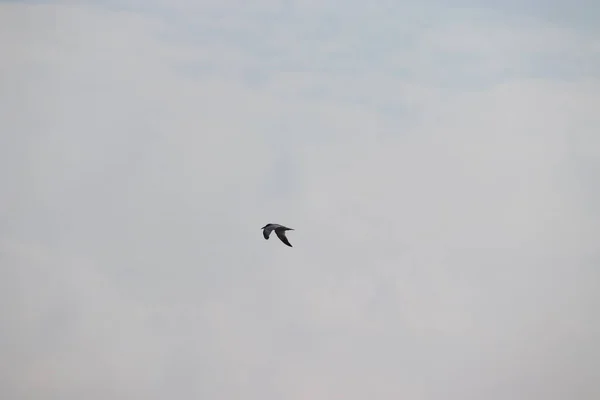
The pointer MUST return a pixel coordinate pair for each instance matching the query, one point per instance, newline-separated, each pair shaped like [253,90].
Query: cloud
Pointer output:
[445,229]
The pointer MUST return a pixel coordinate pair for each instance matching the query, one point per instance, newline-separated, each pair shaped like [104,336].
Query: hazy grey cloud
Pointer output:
[442,184]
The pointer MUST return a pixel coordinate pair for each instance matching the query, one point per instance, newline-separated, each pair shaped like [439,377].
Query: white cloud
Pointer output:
[445,234]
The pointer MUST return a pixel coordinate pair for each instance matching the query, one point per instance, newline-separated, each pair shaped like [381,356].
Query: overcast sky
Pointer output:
[439,164]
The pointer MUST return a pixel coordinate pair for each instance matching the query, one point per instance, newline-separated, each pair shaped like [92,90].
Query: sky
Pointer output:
[439,162]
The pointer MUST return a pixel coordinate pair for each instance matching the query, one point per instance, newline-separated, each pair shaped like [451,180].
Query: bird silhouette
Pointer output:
[279,231]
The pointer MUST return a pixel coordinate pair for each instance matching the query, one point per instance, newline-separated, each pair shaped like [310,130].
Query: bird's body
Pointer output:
[279,231]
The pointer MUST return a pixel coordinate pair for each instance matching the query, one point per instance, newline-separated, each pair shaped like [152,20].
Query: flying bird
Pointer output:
[279,231]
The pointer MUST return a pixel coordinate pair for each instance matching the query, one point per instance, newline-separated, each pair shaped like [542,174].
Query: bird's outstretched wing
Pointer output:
[282,237]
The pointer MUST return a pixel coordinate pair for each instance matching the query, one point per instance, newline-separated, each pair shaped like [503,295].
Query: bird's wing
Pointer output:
[266,233]
[281,236]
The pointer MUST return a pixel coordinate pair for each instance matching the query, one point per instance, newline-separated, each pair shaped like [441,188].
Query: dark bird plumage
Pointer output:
[279,231]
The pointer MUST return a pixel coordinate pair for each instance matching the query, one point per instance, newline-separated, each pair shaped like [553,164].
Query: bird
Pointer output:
[279,231]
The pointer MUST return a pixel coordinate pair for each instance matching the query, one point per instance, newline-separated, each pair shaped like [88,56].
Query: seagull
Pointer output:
[279,230]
